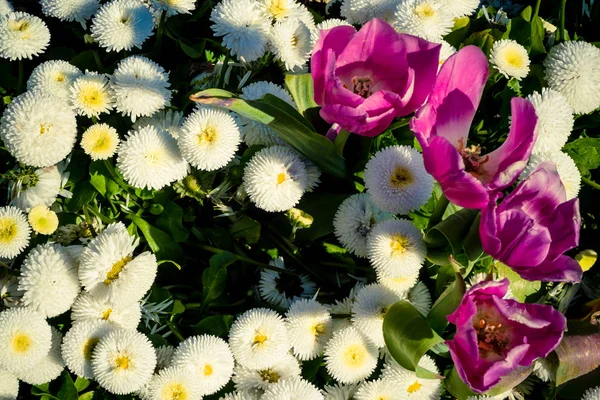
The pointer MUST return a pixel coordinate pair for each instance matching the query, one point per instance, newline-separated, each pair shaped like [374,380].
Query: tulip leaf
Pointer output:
[448,236]
[472,244]
[519,287]
[408,337]
[301,86]
[446,304]
[461,390]
[289,127]
[578,355]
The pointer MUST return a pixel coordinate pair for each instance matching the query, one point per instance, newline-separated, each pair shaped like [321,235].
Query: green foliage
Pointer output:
[586,154]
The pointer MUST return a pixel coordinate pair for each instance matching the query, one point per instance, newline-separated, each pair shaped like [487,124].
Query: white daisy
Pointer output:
[54,77]
[250,380]
[209,138]
[70,10]
[164,356]
[292,389]
[280,9]
[592,394]
[566,167]
[427,19]
[399,283]
[168,120]
[571,68]
[46,369]
[42,220]
[22,35]
[79,343]
[49,280]
[239,396]
[377,390]
[420,298]
[174,383]
[545,369]
[340,392]
[446,52]
[281,290]
[555,120]
[91,95]
[14,232]
[211,359]
[38,129]
[353,221]
[362,11]
[150,158]
[460,8]
[309,327]
[256,133]
[371,305]
[291,43]
[349,356]
[244,26]
[397,181]
[5,7]
[123,361]
[173,7]
[396,248]
[258,339]
[409,384]
[141,87]
[89,308]
[25,338]
[100,141]
[122,25]
[42,187]
[275,179]
[324,26]
[510,59]
[9,384]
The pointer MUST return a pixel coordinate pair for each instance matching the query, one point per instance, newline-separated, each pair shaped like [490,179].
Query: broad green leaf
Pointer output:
[538,34]
[83,194]
[85,60]
[301,86]
[446,304]
[81,383]
[101,180]
[459,31]
[217,325]
[246,228]
[214,278]
[519,287]
[322,206]
[89,396]
[447,237]
[67,390]
[315,147]
[195,50]
[161,243]
[472,243]
[461,391]
[157,340]
[577,355]
[408,336]
[287,108]
[178,308]
[170,221]
[310,368]
[586,154]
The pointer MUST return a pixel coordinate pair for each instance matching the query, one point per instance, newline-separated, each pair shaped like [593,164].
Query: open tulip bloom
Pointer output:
[365,79]
[441,126]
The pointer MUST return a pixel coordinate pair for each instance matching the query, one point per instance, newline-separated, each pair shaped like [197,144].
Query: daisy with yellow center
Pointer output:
[249,380]
[510,59]
[309,328]
[349,356]
[100,141]
[43,220]
[174,383]
[91,95]
[14,232]
[408,384]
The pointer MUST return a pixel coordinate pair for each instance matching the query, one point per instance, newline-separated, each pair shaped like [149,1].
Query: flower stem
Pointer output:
[563,11]
[590,182]
[98,62]
[536,10]
[21,77]
[159,32]
[223,71]
[438,212]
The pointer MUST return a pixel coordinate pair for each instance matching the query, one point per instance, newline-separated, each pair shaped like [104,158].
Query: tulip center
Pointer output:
[472,158]
[493,336]
[361,85]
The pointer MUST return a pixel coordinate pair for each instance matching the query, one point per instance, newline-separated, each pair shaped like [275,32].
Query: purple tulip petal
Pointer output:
[562,269]
[564,224]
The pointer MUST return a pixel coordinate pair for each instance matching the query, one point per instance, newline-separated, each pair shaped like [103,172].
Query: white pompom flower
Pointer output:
[294,388]
[411,387]
[100,141]
[446,52]
[567,170]
[324,26]
[149,158]
[592,394]
[370,307]
[174,383]
[42,187]
[510,59]
[399,283]
[165,119]
[251,380]
[89,308]
[22,35]
[281,9]
[396,247]
[309,327]
[38,129]
[397,181]
[244,26]
[571,68]
[555,120]
[123,361]
[48,368]
[164,356]
[211,359]
[91,95]
[109,271]
[54,77]
[353,221]
[141,87]
[209,138]
[349,356]
[49,280]
[420,298]
[122,25]
[70,10]
[460,8]
[9,384]
[25,338]
[378,389]
[340,391]
[275,179]
[258,339]
[79,343]
[427,19]
[14,232]
[291,43]
[174,7]
[362,11]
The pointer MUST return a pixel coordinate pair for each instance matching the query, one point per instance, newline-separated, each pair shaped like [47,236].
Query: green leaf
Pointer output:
[217,325]
[519,287]
[101,180]
[301,86]
[81,383]
[246,228]
[214,278]
[89,396]
[315,147]
[447,237]
[161,244]
[195,50]
[83,194]
[178,308]
[171,221]
[446,304]
[85,60]
[586,154]
[472,243]
[408,336]
[67,390]
[577,355]
[322,206]
[538,34]
[459,31]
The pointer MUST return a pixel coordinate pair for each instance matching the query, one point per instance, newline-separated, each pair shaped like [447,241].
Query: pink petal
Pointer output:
[562,269]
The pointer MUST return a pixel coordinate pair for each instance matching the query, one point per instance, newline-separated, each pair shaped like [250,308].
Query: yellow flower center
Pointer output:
[280,178]
[415,387]
[20,26]
[259,339]
[514,58]
[100,141]
[106,314]
[354,355]
[21,342]
[207,135]
[399,243]
[59,77]
[43,220]
[88,347]
[91,97]
[8,229]
[268,375]
[152,156]
[45,128]
[174,391]
[123,362]
[278,8]
[401,178]
[208,370]
[116,269]
[425,10]
[318,329]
